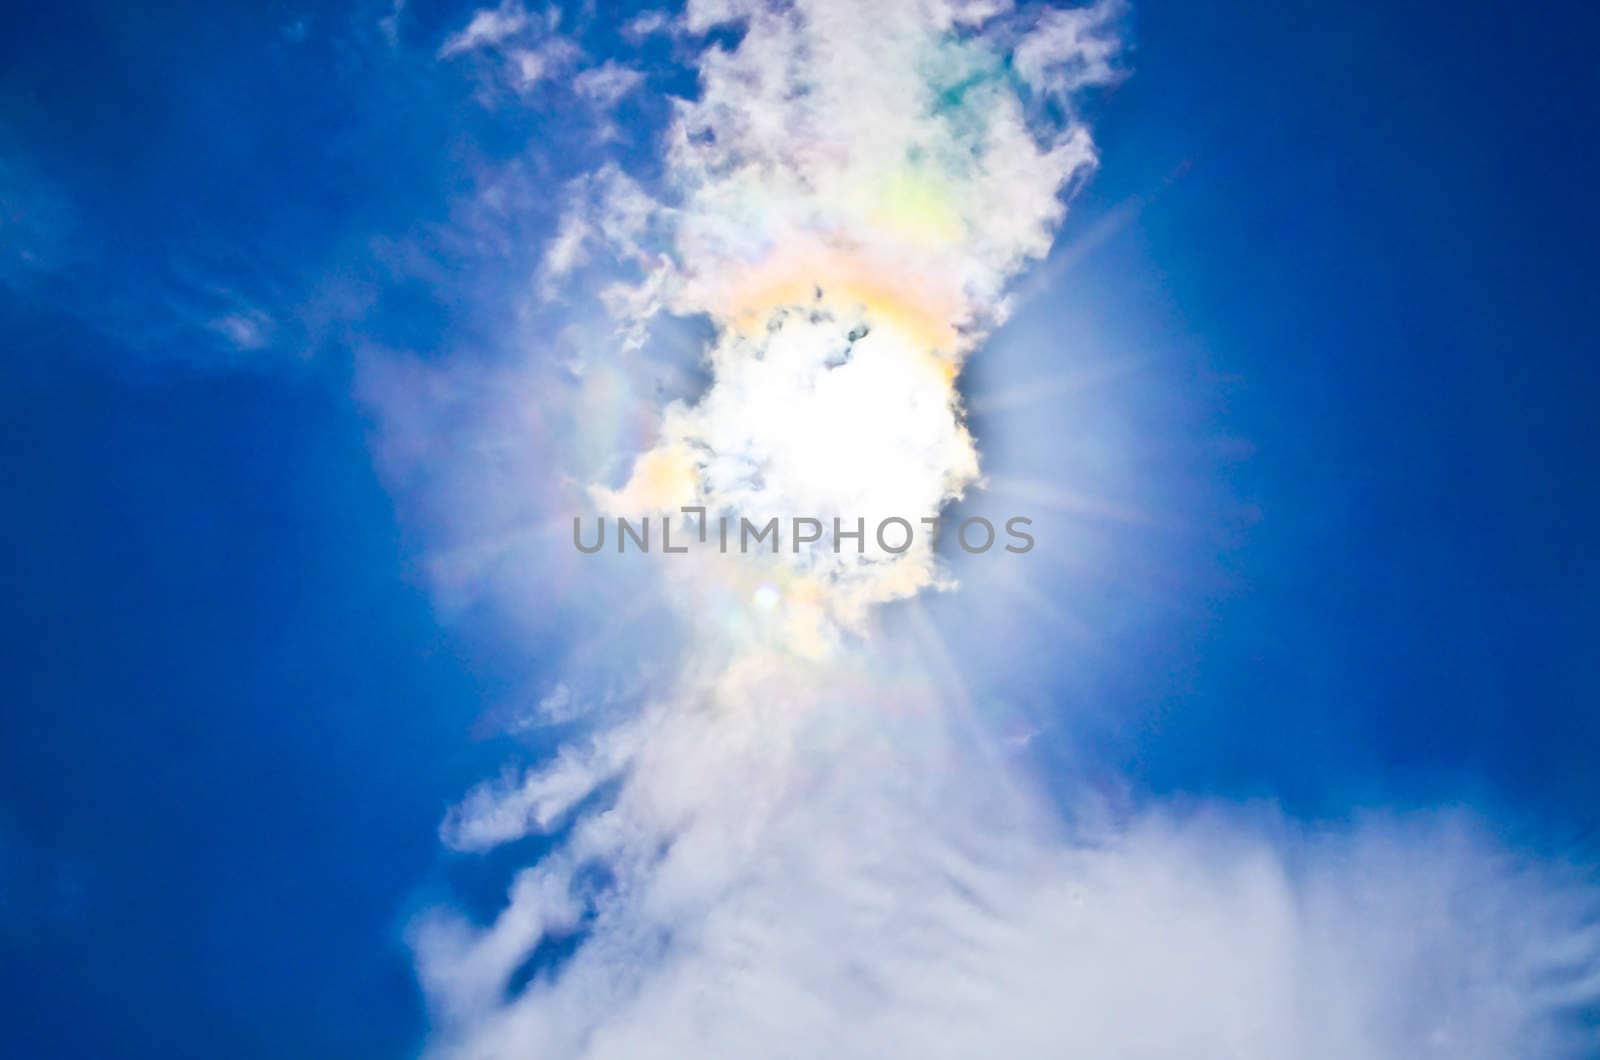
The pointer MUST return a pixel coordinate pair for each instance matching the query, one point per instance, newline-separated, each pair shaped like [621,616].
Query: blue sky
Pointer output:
[1338,260]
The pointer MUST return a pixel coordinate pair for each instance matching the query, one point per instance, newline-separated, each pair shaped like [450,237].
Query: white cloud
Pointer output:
[647,24]
[487,27]
[606,84]
[802,845]
[1069,49]
[565,251]
[247,330]
[799,872]
[560,705]
[522,52]
[510,808]
[608,212]
[548,59]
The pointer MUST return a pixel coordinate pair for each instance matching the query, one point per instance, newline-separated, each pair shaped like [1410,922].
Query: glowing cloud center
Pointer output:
[849,197]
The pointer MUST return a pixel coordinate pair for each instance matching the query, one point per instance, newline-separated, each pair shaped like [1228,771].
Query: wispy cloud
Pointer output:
[607,83]
[518,50]
[249,330]
[50,259]
[802,843]
[488,27]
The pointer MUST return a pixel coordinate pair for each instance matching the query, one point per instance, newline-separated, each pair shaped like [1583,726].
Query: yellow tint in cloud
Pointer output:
[884,290]
[917,207]
[664,479]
